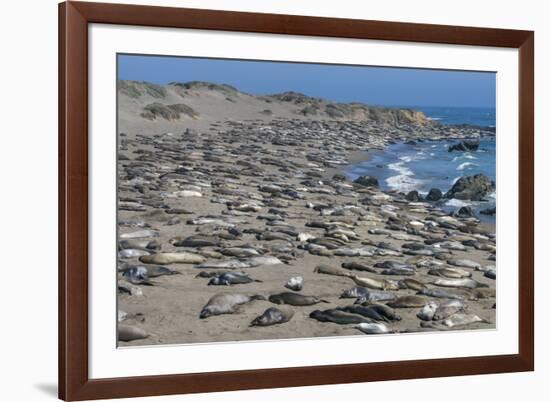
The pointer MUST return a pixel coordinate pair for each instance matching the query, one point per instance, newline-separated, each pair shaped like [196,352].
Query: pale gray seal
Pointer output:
[373,328]
[272,316]
[226,303]
[172,258]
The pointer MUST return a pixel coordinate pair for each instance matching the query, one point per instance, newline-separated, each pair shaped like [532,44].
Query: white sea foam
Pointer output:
[404,181]
[453,202]
[466,165]
[456,179]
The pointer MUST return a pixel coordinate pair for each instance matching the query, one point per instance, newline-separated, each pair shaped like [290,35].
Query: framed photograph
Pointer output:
[261,200]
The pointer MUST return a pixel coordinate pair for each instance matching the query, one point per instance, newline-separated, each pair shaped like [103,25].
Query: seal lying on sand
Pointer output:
[172,258]
[295,299]
[231,278]
[272,316]
[328,270]
[226,303]
[337,317]
[127,333]
[408,302]
[373,328]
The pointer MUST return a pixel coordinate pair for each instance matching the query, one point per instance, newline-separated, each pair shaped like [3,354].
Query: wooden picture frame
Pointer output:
[74,381]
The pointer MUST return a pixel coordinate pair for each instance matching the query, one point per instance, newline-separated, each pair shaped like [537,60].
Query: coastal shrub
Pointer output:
[168,112]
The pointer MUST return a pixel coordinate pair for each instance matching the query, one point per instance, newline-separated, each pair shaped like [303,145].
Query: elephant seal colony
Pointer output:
[235,223]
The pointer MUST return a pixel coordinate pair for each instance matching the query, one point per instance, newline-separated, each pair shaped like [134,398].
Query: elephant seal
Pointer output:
[139,234]
[132,253]
[127,333]
[440,293]
[328,270]
[365,311]
[355,292]
[357,266]
[448,308]
[337,317]
[147,245]
[409,283]
[172,258]
[231,278]
[152,271]
[459,283]
[373,328]
[272,316]
[295,299]
[453,273]
[226,303]
[408,302]
[375,296]
[459,319]
[196,241]
[137,276]
[463,263]
[385,311]
[372,283]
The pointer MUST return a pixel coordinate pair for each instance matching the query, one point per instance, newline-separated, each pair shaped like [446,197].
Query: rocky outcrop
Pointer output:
[366,181]
[464,146]
[434,194]
[413,196]
[474,188]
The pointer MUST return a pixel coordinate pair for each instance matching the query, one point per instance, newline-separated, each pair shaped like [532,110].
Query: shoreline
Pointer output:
[259,186]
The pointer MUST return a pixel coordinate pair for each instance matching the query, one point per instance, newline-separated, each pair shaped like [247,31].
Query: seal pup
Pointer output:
[127,333]
[373,328]
[172,258]
[295,299]
[226,303]
[231,278]
[337,317]
[272,316]
[295,283]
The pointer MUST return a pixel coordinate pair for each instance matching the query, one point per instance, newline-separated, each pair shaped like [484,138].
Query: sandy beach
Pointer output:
[259,185]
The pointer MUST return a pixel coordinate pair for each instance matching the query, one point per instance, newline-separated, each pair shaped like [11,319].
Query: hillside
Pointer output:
[195,104]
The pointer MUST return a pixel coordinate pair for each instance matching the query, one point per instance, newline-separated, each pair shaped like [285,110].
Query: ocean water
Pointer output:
[476,116]
[428,164]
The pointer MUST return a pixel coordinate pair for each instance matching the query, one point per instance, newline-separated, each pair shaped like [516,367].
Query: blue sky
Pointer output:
[371,85]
